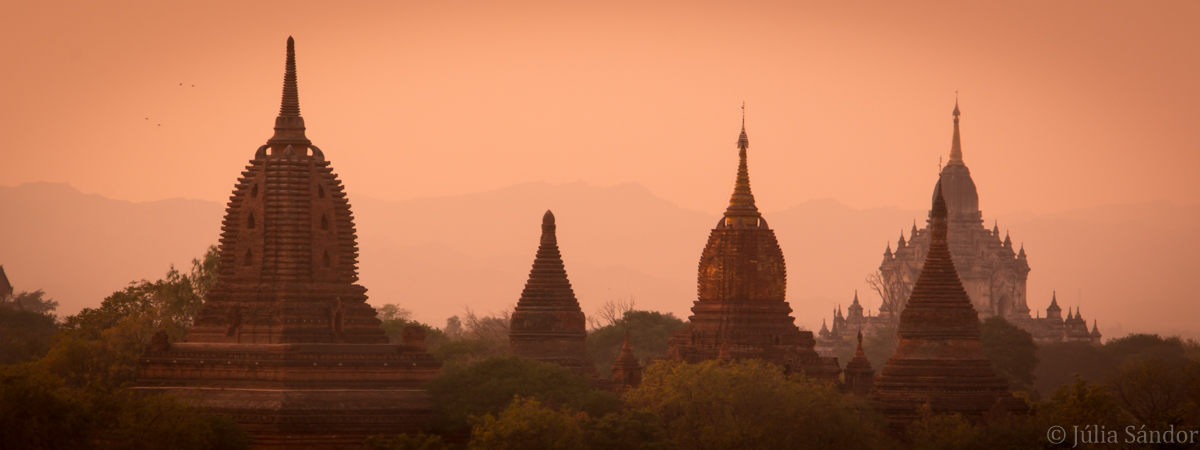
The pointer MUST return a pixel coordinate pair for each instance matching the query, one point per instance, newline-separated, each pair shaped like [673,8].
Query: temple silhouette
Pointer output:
[992,272]
[286,343]
[741,310]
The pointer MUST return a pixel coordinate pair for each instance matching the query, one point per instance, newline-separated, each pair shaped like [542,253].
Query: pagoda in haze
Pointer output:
[285,342]
[741,311]
[547,324]
[938,360]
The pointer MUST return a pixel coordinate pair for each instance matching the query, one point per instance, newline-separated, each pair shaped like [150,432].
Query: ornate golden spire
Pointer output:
[741,203]
[955,144]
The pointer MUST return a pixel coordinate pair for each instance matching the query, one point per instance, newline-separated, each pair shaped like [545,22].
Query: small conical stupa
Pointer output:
[858,374]
[547,324]
[938,360]
[626,371]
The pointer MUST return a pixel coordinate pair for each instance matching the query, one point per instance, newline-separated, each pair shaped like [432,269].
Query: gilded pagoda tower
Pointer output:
[547,324]
[939,360]
[285,342]
[741,310]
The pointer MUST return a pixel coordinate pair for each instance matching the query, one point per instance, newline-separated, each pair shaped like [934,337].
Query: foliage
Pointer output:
[38,410]
[750,405]
[1060,362]
[1012,352]
[953,432]
[472,338]
[648,333]
[1082,403]
[526,425]
[394,319]
[488,386]
[36,302]
[24,335]
[421,441]
[102,345]
[628,429]
[1154,391]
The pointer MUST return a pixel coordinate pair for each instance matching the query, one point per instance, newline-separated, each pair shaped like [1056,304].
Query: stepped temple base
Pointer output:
[299,396]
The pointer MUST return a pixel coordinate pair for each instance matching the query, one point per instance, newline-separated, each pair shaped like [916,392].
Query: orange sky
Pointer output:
[1065,103]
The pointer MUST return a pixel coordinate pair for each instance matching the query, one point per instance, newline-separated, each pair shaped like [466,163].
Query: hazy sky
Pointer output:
[1065,103]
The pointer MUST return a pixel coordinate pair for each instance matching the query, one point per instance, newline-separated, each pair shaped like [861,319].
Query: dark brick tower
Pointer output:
[547,324]
[741,288]
[286,343]
[938,360]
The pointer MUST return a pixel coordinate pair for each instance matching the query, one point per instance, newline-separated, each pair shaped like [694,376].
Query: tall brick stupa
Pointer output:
[285,342]
[547,324]
[741,310]
[939,360]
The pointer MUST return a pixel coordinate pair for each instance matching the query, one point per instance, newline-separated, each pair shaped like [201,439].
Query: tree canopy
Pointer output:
[488,386]
[648,333]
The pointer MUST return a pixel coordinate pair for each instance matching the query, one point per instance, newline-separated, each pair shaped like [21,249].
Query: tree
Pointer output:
[893,291]
[1152,390]
[627,429]
[36,302]
[648,333]
[1082,403]
[486,387]
[102,345]
[1012,352]
[24,335]
[751,404]
[527,425]
[38,410]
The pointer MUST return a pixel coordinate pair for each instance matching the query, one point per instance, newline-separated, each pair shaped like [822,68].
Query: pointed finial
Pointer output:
[955,141]
[291,96]
[548,218]
[741,203]
[289,126]
[743,141]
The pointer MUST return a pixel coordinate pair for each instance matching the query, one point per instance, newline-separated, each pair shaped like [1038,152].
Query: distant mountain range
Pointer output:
[1136,267]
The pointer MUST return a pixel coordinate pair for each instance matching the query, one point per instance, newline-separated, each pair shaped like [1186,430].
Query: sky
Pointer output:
[1066,104]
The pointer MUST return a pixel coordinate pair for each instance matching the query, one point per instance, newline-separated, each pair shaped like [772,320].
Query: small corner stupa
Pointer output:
[626,370]
[938,360]
[741,311]
[859,376]
[547,324]
[285,342]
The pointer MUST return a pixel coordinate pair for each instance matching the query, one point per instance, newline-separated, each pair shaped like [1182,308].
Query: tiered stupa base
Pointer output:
[299,396]
[792,351]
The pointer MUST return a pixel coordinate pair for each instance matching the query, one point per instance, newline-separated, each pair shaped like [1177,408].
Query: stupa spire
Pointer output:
[291,96]
[289,126]
[955,143]
[741,203]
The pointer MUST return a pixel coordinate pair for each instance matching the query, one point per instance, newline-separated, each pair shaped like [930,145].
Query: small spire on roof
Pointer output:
[955,142]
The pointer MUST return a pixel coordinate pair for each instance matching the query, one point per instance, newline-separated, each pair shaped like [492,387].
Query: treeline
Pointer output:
[62,385]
